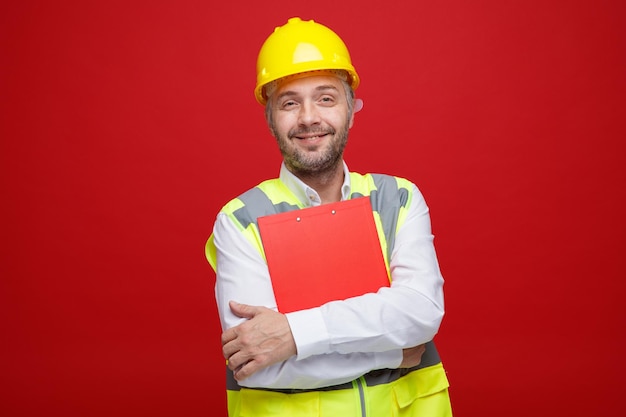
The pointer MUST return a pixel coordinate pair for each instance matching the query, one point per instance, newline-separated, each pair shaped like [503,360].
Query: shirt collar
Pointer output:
[307,195]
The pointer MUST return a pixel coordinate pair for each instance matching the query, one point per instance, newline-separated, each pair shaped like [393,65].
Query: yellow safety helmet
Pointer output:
[298,47]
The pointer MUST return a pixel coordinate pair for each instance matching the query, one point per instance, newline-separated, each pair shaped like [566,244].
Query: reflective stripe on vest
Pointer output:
[388,197]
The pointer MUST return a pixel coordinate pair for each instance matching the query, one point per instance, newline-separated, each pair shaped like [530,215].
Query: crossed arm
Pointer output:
[265,339]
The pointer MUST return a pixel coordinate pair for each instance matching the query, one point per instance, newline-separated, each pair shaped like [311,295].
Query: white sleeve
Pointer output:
[242,276]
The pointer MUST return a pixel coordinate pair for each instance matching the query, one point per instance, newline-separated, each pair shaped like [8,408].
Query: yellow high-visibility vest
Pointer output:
[410,392]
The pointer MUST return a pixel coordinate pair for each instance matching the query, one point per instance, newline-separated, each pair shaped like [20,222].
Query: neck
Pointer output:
[327,184]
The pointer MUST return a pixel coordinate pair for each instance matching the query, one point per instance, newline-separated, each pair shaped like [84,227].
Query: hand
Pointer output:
[412,356]
[263,340]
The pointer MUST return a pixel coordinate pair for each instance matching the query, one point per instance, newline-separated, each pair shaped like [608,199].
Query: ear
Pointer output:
[358,105]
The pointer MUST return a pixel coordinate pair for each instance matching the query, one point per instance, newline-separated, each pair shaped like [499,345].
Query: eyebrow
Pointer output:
[323,87]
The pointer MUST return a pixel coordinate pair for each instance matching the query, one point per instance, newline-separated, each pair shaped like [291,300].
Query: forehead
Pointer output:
[309,84]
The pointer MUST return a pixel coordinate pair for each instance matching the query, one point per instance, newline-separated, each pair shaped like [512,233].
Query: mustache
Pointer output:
[311,131]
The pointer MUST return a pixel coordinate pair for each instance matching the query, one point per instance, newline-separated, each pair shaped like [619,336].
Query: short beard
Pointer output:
[305,166]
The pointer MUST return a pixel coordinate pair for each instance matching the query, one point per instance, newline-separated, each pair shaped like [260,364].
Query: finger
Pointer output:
[235,361]
[228,351]
[230,348]
[246,370]
[243,310]
[228,336]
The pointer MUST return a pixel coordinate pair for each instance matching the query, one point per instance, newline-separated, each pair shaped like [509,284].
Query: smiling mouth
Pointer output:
[309,135]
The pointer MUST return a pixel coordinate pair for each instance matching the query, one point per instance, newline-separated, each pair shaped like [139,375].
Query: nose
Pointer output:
[309,114]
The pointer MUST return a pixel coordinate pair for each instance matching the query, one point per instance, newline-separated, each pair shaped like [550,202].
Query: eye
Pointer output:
[327,100]
[288,104]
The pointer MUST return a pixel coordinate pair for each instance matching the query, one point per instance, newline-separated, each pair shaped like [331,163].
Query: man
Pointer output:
[368,355]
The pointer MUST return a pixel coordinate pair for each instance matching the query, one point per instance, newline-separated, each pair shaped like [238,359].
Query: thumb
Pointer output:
[242,310]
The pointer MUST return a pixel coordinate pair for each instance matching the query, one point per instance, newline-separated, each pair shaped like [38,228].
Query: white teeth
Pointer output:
[316,137]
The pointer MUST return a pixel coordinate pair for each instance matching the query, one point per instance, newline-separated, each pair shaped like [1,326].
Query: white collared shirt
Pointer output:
[308,195]
[341,340]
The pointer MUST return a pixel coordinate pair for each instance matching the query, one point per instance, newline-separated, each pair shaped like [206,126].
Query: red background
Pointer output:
[125,126]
